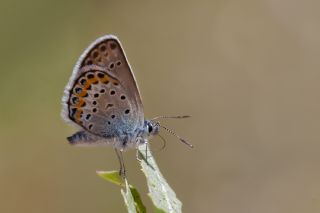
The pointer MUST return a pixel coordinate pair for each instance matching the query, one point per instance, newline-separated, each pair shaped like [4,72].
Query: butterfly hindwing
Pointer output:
[102,96]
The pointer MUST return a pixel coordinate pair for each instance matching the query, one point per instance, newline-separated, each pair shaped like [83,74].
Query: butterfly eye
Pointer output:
[150,128]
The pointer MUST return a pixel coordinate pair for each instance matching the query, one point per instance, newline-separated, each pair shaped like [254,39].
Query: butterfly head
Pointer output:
[151,128]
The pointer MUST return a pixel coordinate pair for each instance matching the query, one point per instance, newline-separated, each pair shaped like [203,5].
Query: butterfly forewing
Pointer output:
[102,95]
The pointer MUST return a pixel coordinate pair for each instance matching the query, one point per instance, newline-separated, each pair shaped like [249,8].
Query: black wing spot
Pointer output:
[78,90]
[88,116]
[83,81]
[118,63]
[73,112]
[95,54]
[103,47]
[109,122]
[100,75]
[111,66]
[109,106]
[94,110]
[90,126]
[115,83]
[123,97]
[113,45]
[112,92]
[102,91]
[113,116]
[90,76]
[96,95]
[94,103]
[127,111]
[75,100]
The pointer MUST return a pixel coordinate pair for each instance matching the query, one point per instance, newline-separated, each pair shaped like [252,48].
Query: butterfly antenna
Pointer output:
[164,116]
[177,136]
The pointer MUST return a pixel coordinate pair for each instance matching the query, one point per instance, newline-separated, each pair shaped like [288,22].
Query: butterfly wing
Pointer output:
[102,95]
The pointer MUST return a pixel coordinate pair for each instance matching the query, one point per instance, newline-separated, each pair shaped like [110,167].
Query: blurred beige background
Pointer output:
[247,71]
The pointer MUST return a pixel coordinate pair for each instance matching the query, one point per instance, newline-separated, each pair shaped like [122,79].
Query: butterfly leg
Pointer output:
[146,153]
[122,171]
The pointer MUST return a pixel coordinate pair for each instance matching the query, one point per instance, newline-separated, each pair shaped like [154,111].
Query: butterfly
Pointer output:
[102,99]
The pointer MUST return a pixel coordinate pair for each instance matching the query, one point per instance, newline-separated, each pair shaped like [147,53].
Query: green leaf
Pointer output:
[130,195]
[128,199]
[137,200]
[111,176]
[162,196]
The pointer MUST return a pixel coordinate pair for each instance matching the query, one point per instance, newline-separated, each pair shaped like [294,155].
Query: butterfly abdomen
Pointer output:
[82,137]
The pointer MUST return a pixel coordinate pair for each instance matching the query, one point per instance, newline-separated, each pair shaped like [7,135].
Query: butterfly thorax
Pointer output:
[139,136]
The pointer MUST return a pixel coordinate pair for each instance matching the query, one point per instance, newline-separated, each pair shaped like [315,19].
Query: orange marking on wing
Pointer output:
[93,80]
[83,93]
[115,82]
[81,102]
[78,115]
[87,86]
[105,79]
[89,83]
